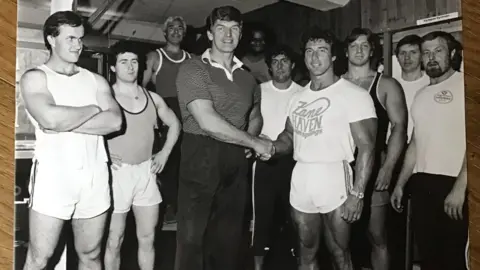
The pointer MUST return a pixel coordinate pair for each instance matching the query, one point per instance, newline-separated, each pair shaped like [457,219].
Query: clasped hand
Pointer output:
[263,148]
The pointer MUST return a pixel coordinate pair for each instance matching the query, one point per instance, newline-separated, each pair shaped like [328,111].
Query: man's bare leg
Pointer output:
[88,235]
[146,219]
[337,238]
[377,234]
[44,233]
[115,238]
[308,227]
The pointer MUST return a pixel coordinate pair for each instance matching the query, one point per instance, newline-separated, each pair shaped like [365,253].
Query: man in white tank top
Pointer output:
[412,78]
[161,70]
[71,109]
[435,163]
[326,121]
[134,168]
[271,183]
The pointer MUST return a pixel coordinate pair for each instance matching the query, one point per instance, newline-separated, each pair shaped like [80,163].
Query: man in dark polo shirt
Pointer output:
[219,103]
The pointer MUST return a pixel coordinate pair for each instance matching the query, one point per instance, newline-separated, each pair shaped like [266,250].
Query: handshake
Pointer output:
[263,148]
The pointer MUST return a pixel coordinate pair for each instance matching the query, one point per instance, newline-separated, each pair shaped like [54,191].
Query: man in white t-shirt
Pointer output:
[437,155]
[412,78]
[326,121]
[271,183]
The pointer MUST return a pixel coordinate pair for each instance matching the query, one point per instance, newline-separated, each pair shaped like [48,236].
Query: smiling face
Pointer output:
[175,32]
[359,51]
[126,67]
[436,57]
[225,35]
[318,57]
[68,44]
[257,44]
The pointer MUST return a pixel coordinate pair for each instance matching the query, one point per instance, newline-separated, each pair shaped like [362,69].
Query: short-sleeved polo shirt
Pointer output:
[233,94]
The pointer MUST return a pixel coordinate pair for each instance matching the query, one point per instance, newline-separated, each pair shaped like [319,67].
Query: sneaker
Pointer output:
[170,216]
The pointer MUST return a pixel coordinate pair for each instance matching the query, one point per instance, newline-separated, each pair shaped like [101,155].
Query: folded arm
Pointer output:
[107,121]
[364,135]
[41,106]
[216,126]
[169,118]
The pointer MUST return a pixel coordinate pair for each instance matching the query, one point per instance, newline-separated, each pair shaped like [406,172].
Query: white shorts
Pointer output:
[63,192]
[320,187]
[134,185]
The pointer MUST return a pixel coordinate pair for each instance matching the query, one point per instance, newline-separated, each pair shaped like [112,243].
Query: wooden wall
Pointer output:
[384,15]
[288,21]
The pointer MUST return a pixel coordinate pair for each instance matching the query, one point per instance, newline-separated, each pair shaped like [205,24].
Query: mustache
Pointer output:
[433,63]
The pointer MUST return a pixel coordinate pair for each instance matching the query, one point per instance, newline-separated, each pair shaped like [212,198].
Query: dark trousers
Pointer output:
[169,176]
[271,194]
[211,204]
[441,240]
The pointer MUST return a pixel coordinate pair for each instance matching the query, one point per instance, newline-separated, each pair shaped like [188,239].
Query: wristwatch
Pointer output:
[359,195]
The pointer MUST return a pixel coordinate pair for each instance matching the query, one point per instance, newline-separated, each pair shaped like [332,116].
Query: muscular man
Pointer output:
[272,179]
[389,100]
[412,77]
[71,109]
[437,157]
[218,99]
[254,58]
[162,69]
[325,122]
[134,168]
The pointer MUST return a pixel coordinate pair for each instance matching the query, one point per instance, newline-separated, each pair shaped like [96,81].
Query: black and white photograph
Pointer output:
[240,135]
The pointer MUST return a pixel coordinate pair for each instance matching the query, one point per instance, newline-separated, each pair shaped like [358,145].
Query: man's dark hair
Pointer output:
[372,39]
[316,33]
[224,13]
[280,49]
[452,44]
[122,47]
[51,27]
[409,40]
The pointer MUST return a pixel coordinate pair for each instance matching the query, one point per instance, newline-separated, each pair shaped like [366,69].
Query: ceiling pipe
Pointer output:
[100,11]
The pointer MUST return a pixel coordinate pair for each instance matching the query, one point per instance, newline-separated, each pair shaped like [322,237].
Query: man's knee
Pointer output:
[146,241]
[89,252]
[114,242]
[37,257]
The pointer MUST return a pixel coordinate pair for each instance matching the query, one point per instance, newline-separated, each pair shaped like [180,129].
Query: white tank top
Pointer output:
[321,121]
[69,149]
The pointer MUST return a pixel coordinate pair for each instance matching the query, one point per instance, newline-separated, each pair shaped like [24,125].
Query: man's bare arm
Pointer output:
[284,143]
[255,122]
[41,106]
[364,135]
[461,182]
[107,121]
[398,115]
[148,73]
[216,126]
[408,163]
[169,118]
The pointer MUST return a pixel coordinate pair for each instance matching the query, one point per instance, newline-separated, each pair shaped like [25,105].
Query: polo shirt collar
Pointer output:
[206,58]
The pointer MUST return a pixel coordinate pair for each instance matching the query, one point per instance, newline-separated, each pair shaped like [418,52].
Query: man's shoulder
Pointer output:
[348,87]
[193,65]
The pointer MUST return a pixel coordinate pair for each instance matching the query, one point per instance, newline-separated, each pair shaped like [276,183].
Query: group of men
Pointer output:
[328,150]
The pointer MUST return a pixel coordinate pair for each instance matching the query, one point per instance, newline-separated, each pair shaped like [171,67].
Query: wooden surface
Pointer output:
[383,15]
[8,19]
